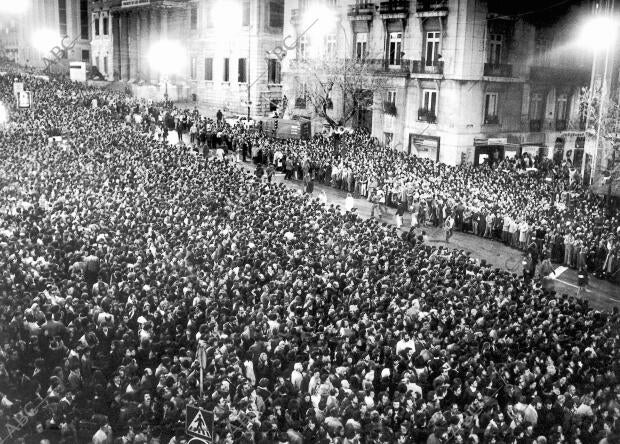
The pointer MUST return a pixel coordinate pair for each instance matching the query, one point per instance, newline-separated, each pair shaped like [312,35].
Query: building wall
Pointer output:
[466,32]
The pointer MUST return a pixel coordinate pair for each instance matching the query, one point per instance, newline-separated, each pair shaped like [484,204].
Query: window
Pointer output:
[388,137]
[536,106]
[96,20]
[391,96]
[193,18]
[361,45]
[97,62]
[105,64]
[495,49]
[395,48]
[241,71]
[561,107]
[245,21]
[490,108]
[300,101]
[84,19]
[208,68]
[303,47]
[332,3]
[62,17]
[85,55]
[330,43]
[105,26]
[303,4]
[432,48]
[276,14]
[429,103]
[192,68]
[226,73]
[274,72]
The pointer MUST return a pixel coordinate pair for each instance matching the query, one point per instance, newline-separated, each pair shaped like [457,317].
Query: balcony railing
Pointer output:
[491,120]
[427,115]
[389,108]
[535,125]
[383,65]
[497,70]
[423,67]
[300,102]
[367,8]
[560,125]
[394,7]
[431,6]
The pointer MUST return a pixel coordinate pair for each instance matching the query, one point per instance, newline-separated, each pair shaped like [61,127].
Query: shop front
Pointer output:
[425,147]
[493,150]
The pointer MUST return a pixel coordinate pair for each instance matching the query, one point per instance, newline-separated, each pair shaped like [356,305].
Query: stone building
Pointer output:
[61,21]
[460,81]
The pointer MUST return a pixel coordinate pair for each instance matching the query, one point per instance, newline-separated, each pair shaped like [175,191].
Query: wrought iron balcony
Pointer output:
[497,70]
[535,125]
[547,74]
[389,108]
[394,7]
[361,11]
[424,67]
[427,115]
[491,120]
[383,65]
[431,6]
[296,16]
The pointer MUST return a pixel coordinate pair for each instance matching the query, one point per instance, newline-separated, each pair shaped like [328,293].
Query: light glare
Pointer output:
[14,7]
[227,16]
[167,56]
[45,39]
[599,33]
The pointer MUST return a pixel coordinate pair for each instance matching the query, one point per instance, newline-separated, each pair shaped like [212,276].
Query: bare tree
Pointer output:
[352,81]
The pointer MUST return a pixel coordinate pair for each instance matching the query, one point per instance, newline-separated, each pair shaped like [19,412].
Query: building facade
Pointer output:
[65,22]
[101,44]
[460,82]
[229,60]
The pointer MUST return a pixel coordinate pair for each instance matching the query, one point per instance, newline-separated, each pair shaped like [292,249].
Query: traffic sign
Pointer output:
[199,423]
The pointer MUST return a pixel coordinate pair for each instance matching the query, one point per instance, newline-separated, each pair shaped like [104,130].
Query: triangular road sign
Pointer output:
[199,427]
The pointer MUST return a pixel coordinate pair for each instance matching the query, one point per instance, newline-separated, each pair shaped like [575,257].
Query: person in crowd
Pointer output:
[318,326]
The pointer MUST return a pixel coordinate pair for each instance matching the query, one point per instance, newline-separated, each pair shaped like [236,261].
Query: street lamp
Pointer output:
[166,57]
[599,33]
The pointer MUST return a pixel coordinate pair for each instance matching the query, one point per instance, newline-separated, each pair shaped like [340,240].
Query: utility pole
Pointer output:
[249,57]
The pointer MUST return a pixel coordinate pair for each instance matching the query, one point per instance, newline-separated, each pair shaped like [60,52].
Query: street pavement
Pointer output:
[601,294]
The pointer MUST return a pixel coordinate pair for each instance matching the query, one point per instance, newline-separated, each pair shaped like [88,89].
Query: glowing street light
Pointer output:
[320,19]
[45,39]
[599,32]
[166,57]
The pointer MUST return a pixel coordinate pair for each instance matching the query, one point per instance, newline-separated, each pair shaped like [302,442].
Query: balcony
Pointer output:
[535,125]
[134,3]
[394,9]
[422,67]
[557,76]
[491,120]
[389,108]
[383,66]
[560,125]
[431,8]
[427,115]
[361,11]
[497,70]
[300,102]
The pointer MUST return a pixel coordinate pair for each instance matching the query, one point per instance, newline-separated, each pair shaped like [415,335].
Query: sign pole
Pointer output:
[201,354]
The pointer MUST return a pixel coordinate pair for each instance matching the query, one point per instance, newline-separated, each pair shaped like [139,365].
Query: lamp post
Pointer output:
[599,33]
[166,57]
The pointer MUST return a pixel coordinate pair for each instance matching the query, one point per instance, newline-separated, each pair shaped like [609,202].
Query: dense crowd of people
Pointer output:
[122,254]
[509,200]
